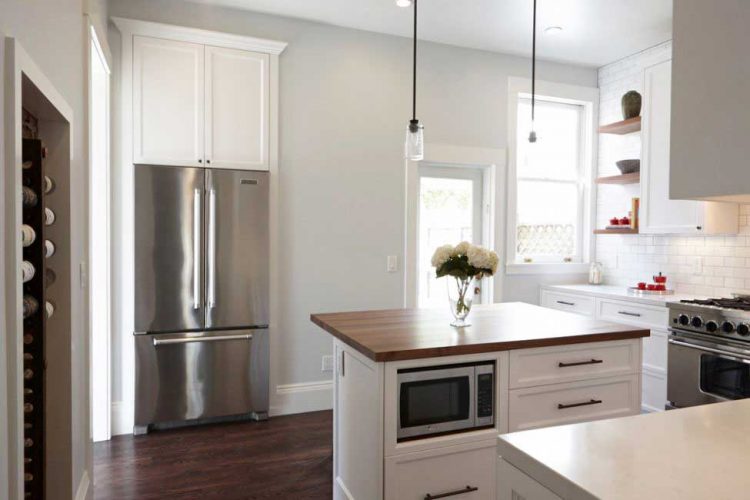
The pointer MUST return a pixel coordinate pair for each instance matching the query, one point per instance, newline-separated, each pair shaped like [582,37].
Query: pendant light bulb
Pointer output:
[532,137]
[414,144]
[414,149]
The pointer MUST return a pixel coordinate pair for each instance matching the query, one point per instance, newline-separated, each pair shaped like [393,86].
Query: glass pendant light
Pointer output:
[532,133]
[414,146]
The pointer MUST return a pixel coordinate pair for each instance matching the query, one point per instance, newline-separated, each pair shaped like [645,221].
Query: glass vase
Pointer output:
[460,296]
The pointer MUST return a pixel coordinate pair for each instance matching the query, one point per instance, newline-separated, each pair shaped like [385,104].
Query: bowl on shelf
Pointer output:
[629,166]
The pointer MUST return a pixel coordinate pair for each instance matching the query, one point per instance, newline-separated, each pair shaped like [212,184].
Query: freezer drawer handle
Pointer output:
[186,340]
[576,405]
[468,489]
[580,363]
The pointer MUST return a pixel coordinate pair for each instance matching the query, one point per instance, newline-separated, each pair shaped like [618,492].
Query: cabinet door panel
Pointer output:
[659,214]
[237,86]
[168,95]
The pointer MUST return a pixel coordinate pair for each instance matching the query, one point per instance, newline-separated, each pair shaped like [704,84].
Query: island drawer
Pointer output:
[629,313]
[466,470]
[573,402]
[567,363]
[568,302]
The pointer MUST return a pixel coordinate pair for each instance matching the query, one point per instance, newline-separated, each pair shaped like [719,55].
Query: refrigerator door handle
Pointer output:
[196,249]
[212,248]
[215,338]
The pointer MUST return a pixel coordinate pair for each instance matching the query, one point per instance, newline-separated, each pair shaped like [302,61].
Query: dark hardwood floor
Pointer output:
[286,457]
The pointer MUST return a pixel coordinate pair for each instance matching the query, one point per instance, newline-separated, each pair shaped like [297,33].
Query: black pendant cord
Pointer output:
[414,69]
[533,67]
[532,133]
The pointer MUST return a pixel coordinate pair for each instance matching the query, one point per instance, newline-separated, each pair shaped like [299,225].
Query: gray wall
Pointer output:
[53,34]
[344,104]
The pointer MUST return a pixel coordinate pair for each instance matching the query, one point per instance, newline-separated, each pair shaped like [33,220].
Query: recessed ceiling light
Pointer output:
[403,3]
[552,30]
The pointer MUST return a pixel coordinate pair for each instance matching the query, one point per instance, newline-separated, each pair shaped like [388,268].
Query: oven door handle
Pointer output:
[725,354]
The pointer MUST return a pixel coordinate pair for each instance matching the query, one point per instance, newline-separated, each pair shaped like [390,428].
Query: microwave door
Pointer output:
[435,401]
[237,249]
[168,248]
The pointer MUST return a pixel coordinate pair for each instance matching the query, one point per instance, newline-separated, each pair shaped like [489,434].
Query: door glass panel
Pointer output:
[431,402]
[725,378]
[449,211]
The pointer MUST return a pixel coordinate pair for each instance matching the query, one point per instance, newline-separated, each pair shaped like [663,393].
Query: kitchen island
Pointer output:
[549,368]
[693,453]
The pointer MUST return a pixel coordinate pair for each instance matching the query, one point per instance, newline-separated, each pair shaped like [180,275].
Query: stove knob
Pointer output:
[683,319]
[727,327]
[697,322]
[743,329]
[711,326]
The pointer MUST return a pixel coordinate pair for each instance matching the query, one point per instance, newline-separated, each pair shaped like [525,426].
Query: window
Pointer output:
[450,211]
[549,182]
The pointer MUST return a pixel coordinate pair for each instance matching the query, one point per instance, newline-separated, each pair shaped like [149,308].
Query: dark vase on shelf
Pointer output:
[631,104]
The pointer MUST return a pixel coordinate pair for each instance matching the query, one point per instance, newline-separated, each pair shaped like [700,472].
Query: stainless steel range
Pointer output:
[709,351]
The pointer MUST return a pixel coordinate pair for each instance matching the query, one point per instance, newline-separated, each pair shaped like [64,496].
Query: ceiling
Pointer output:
[595,32]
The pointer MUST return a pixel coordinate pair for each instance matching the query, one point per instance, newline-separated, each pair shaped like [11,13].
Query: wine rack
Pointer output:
[34,282]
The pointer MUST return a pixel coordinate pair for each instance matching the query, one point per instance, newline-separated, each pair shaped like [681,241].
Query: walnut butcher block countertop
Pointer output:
[399,334]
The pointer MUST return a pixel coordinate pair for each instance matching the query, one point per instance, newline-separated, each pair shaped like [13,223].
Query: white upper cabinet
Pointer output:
[199,105]
[710,100]
[658,213]
[168,95]
[236,109]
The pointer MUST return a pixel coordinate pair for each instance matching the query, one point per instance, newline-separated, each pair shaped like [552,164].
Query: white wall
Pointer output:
[344,105]
[628,259]
[53,34]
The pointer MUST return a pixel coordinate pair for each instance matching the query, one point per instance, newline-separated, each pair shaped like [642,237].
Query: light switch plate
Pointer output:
[392,265]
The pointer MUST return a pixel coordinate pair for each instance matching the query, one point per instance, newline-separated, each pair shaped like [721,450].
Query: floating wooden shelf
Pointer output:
[625,230]
[624,127]
[633,178]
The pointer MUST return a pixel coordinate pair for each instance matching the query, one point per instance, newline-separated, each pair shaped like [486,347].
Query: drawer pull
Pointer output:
[576,405]
[580,363]
[468,489]
[566,303]
[628,313]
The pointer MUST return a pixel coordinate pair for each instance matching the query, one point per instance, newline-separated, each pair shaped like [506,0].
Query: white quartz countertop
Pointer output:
[619,292]
[695,453]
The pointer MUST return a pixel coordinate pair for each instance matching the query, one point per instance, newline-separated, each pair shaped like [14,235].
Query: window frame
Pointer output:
[588,99]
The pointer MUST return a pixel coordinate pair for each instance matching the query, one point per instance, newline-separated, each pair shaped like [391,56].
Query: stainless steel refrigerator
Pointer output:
[201,294]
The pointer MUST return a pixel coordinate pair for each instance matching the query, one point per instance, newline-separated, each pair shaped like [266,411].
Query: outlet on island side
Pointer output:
[326,363]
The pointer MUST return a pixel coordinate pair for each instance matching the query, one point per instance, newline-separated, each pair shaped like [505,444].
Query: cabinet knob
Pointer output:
[699,228]
[200,161]
[208,161]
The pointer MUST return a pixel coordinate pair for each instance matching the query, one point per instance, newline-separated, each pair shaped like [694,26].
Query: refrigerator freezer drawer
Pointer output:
[197,375]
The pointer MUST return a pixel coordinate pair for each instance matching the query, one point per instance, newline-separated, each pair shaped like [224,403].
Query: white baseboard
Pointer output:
[122,418]
[301,398]
[286,400]
[82,493]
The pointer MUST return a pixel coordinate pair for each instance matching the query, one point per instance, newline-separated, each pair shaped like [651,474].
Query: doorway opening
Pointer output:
[99,238]
[452,208]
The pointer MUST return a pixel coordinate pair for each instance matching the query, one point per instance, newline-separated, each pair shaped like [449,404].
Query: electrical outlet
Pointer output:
[392,265]
[327,364]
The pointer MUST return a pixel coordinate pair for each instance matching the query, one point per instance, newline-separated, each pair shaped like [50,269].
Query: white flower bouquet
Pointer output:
[466,263]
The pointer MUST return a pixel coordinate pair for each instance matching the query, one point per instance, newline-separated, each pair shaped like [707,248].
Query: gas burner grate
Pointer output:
[735,303]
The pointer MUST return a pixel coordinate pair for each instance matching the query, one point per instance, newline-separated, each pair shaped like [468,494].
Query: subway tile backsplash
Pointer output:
[701,265]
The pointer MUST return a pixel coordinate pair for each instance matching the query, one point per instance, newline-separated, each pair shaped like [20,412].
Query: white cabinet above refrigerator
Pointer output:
[200,105]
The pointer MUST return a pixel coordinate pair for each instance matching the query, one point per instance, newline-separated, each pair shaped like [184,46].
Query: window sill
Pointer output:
[547,268]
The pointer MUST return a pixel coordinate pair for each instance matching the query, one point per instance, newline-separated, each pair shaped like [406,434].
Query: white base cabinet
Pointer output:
[512,484]
[629,312]
[370,463]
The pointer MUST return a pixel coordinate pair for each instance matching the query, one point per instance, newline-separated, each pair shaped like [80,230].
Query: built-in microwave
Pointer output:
[449,398]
